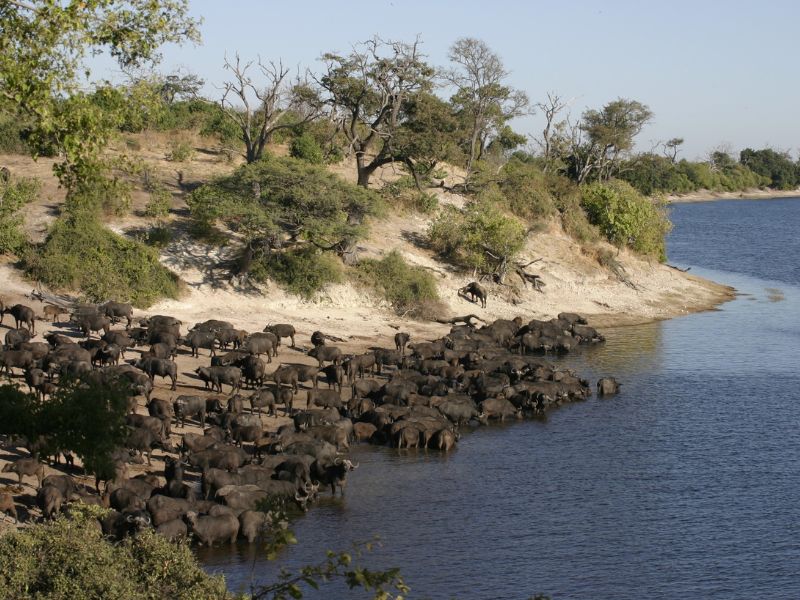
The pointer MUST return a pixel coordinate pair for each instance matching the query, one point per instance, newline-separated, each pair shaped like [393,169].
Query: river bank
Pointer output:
[752,194]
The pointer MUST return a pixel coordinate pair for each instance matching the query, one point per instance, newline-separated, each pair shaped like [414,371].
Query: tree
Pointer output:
[427,134]
[261,109]
[672,147]
[552,142]
[603,137]
[367,91]
[486,103]
[777,166]
[281,204]
[86,417]
[42,52]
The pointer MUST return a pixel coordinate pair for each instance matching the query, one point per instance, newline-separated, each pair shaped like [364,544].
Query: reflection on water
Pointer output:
[684,485]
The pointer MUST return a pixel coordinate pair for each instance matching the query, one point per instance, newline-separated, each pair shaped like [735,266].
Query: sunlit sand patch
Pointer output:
[774,294]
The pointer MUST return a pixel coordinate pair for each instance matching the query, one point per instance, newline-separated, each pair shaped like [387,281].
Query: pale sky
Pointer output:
[712,72]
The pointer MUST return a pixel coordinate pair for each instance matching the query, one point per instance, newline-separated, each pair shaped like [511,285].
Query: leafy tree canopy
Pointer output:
[42,53]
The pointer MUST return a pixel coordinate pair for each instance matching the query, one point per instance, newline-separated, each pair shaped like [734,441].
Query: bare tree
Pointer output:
[261,109]
[478,80]
[553,137]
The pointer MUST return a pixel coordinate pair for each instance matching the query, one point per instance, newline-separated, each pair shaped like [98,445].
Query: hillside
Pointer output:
[574,280]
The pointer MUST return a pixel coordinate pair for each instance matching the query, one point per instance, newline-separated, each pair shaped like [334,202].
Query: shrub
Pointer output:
[304,271]
[626,218]
[81,254]
[12,134]
[14,194]
[305,147]
[158,236]
[409,289]
[525,191]
[180,152]
[403,194]
[158,205]
[71,559]
[480,237]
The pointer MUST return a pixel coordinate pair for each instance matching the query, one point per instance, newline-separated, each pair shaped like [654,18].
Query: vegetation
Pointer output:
[306,147]
[776,167]
[369,88]
[85,416]
[304,271]
[411,290]
[481,236]
[626,217]
[70,559]
[14,194]
[280,205]
[80,253]
[42,66]
[180,152]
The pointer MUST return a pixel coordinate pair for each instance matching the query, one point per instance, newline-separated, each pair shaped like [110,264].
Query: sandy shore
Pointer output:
[753,194]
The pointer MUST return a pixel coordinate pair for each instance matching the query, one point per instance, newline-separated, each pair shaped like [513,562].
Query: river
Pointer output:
[685,485]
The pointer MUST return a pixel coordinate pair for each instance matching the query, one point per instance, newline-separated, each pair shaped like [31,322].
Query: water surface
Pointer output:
[684,485]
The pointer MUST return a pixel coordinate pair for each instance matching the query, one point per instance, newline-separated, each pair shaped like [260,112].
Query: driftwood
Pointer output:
[687,269]
[466,319]
[49,298]
[532,278]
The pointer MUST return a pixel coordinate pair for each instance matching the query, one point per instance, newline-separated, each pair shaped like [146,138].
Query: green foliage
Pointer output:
[180,151]
[86,417]
[12,134]
[304,271]
[160,201]
[481,236]
[158,236]
[14,194]
[275,206]
[403,194]
[525,190]
[783,174]
[42,67]
[626,217]
[69,559]
[652,174]
[306,148]
[81,254]
[409,289]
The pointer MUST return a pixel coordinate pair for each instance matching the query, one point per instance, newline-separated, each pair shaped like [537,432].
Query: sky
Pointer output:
[713,72]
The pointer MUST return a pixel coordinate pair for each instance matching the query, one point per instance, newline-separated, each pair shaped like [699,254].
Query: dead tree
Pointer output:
[533,279]
[265,106]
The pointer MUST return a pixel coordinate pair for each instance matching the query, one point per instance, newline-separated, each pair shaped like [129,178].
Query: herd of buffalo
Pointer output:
[410,395]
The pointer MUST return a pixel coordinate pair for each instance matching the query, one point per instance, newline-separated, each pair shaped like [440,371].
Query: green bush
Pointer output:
[81,254]
[71,560]
[525,191]
[12,134]
[403,194]
[627,218]
[304,271]
[158,205]
[305,147]
[158,236]
[409,289]
[180,152]
[481,236]
[14,194]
